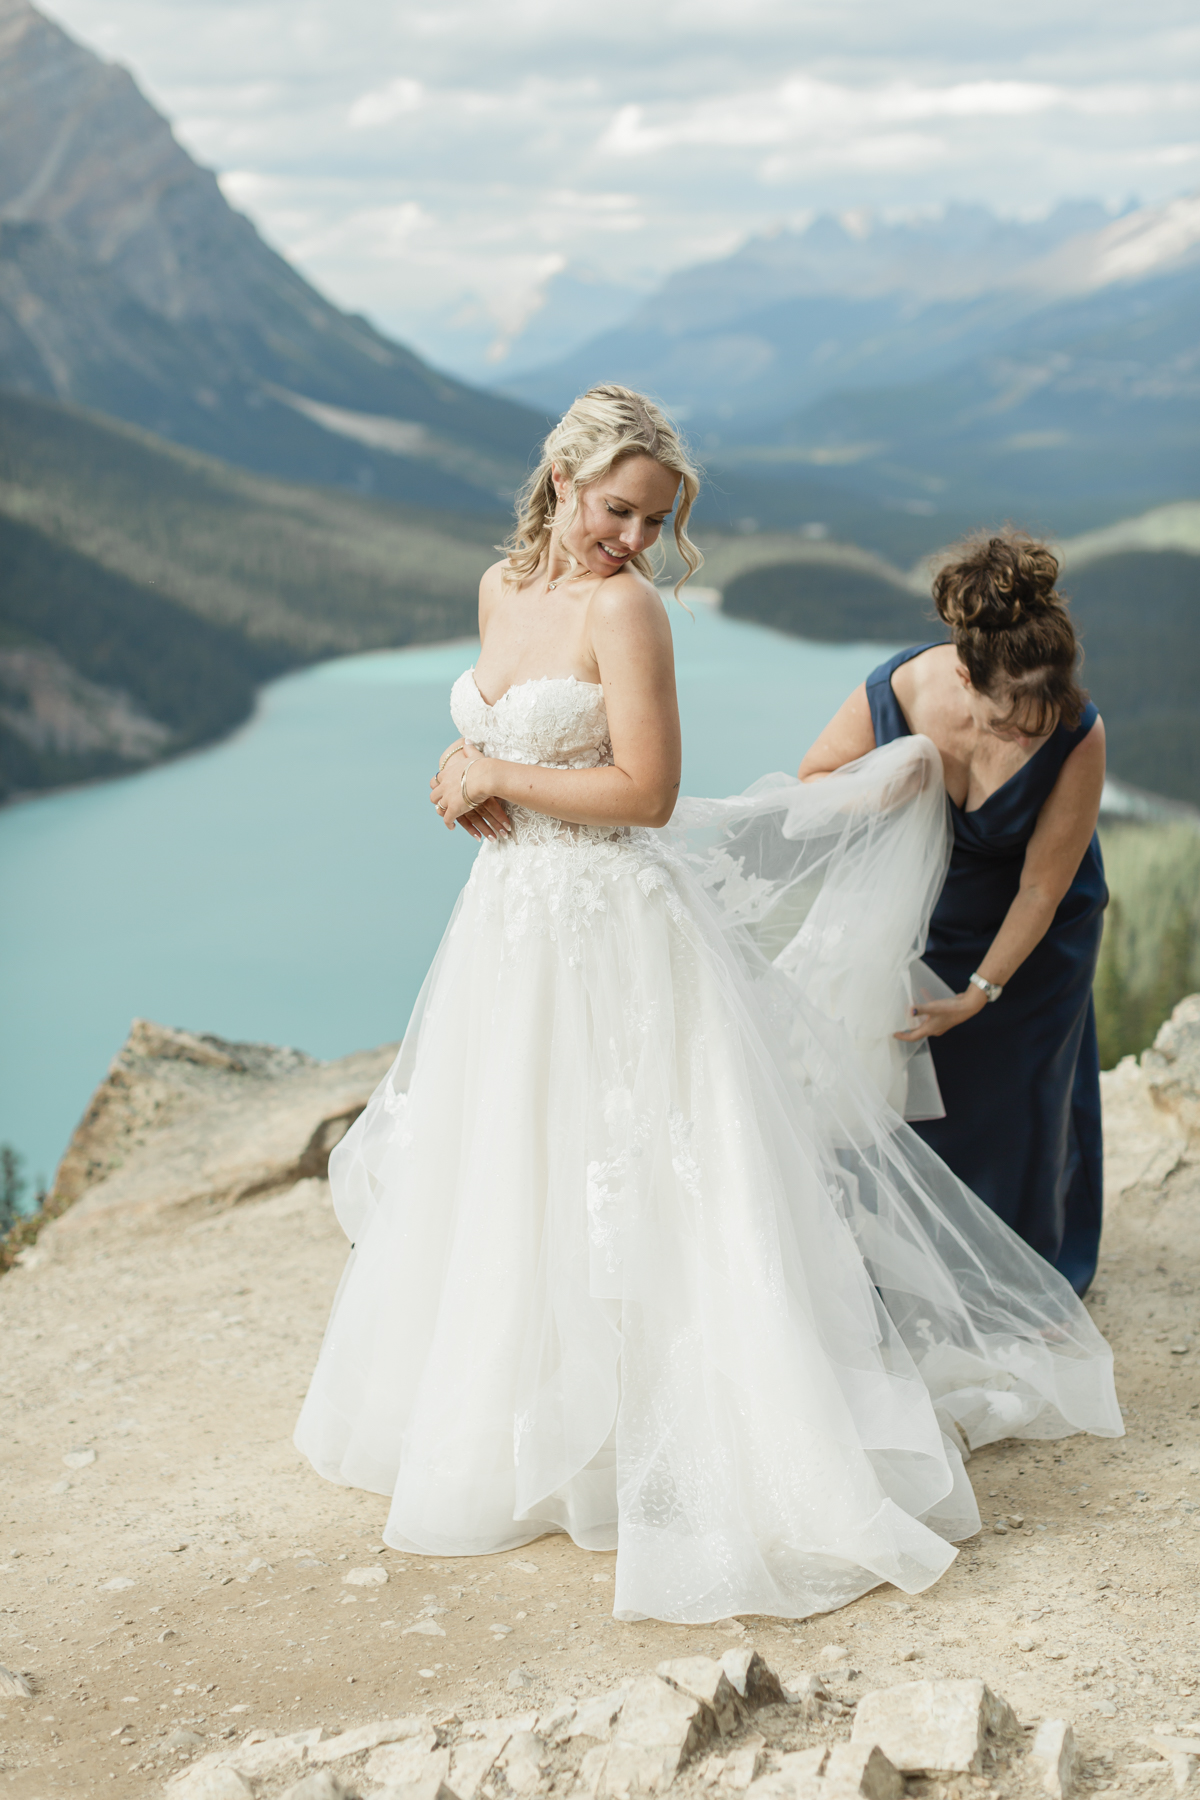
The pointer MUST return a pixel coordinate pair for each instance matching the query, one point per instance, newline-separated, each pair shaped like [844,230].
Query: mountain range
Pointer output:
[129,285]
[936,366]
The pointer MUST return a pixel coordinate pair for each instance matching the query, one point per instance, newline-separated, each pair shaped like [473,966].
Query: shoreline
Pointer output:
[172,757]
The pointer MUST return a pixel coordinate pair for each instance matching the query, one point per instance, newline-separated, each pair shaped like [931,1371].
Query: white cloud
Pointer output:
[435,165]
[381,105]
[803,109]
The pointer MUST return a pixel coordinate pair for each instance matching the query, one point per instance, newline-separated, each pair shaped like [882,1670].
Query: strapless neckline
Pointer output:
[530,681]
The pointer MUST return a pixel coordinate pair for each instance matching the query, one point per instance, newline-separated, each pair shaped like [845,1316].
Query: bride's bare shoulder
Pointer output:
[493,578]
[628,596]
[491,586]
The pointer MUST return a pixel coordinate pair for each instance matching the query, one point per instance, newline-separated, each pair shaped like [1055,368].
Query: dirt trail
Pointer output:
[194,1574]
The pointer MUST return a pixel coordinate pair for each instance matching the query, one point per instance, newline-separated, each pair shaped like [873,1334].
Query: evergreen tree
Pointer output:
[12,1186]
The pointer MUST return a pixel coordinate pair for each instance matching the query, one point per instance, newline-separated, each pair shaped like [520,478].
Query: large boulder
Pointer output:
[1142,1143]
[186,1120]
[1171,1068]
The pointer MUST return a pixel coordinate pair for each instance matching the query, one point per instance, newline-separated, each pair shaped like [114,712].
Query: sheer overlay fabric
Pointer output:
[644,1248]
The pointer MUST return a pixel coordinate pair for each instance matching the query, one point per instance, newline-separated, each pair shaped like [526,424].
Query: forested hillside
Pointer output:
[145,590]
[1140,618]
[1137,612]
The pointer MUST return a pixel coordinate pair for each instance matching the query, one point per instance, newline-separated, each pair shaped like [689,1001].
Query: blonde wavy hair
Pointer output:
[601,429]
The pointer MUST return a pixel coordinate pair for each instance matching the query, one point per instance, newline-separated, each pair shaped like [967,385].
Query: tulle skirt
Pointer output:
[644,1250]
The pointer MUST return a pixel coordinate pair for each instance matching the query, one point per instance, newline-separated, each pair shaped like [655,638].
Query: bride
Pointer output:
[643,1249]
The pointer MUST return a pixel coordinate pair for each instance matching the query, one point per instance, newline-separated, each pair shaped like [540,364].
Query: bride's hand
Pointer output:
[482,815]
[934,1017]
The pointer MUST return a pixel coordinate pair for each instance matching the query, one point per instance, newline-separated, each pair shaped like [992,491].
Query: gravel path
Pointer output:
[169,1565]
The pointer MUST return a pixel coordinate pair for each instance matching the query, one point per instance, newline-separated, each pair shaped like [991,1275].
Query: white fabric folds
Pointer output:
[644,1250]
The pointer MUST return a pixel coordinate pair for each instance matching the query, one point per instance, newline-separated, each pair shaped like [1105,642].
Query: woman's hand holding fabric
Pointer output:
[935,1017]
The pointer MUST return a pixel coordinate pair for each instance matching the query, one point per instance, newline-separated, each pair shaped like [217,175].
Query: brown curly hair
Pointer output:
[1012,630]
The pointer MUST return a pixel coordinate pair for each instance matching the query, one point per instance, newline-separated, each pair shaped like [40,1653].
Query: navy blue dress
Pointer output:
[1021,1080]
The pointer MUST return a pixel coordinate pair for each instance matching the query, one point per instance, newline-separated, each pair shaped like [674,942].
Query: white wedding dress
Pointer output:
[643,1248]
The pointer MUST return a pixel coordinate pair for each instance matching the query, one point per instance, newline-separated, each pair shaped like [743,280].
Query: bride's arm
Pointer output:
[630,638]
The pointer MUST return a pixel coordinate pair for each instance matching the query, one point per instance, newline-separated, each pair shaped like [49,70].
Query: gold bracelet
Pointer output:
[453,752]
[462,786]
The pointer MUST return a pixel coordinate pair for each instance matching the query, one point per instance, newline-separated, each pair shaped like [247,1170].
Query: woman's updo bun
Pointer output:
[1012,630]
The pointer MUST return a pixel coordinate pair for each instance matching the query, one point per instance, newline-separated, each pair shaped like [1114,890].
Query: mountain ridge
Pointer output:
[128,284]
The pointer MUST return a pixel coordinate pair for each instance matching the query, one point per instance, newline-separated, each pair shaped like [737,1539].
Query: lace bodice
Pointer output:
[555,720]
[552,875]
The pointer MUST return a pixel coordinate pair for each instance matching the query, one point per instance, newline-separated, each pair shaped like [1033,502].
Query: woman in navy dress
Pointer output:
[1016,930]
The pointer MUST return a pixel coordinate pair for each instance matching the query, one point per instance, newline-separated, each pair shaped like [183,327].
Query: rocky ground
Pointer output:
[175,1582]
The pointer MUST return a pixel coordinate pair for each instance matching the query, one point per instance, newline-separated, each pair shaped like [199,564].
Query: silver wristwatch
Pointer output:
[987,988]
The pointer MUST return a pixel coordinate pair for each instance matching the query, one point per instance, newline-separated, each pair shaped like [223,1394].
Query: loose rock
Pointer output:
[854,1769]
[658,1731]
[751,1679]
[429,1788]
[522,1760]
[184,1739]
[1054,1750]
[796,1778]
[933,1725]
[809,1693]
[1183,1767]
[320,1784]
[417,1760]
[560,1715]
[262,1753]
[14,1687]
[372,1577]
[221,1783]
[471,1764]
[596,1717]
[745,1764]
[705,1680]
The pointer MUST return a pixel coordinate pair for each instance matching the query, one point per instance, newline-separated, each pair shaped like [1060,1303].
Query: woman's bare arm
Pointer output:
[630,638]
[1052,858]
[849,734]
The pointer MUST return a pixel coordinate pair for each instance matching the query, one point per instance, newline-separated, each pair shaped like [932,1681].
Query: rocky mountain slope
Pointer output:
[845,302]
[182,1600]
[1090,397]
[128,284]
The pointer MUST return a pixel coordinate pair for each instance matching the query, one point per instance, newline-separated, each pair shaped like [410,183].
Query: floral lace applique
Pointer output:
[738,894]
[551,875]
[687,1169]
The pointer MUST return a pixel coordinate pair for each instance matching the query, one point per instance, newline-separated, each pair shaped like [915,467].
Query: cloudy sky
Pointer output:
[435,165]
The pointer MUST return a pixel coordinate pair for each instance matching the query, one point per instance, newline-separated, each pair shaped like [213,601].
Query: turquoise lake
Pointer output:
[290,885]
